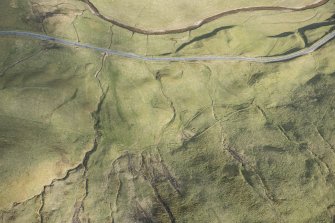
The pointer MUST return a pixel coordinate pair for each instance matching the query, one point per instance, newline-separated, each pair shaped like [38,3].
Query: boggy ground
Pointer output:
[86,137]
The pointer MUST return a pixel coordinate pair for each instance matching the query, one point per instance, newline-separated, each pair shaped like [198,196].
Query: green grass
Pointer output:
[46,117]
[195,142]
[154,15]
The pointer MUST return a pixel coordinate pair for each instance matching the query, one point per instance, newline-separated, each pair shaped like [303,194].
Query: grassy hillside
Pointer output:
[88,137]
[172,14]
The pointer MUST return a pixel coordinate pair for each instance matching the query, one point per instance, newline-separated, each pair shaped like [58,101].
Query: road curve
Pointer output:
[270,59]
[200,23]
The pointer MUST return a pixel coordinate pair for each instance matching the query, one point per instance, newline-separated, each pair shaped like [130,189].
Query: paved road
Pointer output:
[270,59]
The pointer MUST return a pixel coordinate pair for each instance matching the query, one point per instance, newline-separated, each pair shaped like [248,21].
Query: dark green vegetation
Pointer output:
[86,137]
[202,37]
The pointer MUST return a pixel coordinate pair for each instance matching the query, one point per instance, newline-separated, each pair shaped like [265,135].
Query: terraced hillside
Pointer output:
[103,120]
